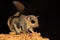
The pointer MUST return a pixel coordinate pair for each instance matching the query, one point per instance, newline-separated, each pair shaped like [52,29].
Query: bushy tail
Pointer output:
[19,6]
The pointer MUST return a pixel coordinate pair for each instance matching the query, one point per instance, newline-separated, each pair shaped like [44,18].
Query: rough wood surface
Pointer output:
[23,36]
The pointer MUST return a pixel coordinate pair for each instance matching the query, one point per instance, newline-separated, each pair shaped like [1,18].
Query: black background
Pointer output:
[46,10]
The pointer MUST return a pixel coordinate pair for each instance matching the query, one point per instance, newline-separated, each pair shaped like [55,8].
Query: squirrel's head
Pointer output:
[32,20]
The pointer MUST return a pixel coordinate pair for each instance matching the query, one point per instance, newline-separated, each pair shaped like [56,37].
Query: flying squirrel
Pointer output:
[20,23]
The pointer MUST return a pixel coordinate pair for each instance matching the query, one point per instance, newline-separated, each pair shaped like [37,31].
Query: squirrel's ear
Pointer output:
[37,16]
[19,6]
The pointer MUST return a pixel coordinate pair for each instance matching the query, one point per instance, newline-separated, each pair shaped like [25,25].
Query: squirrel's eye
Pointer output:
[32,21]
